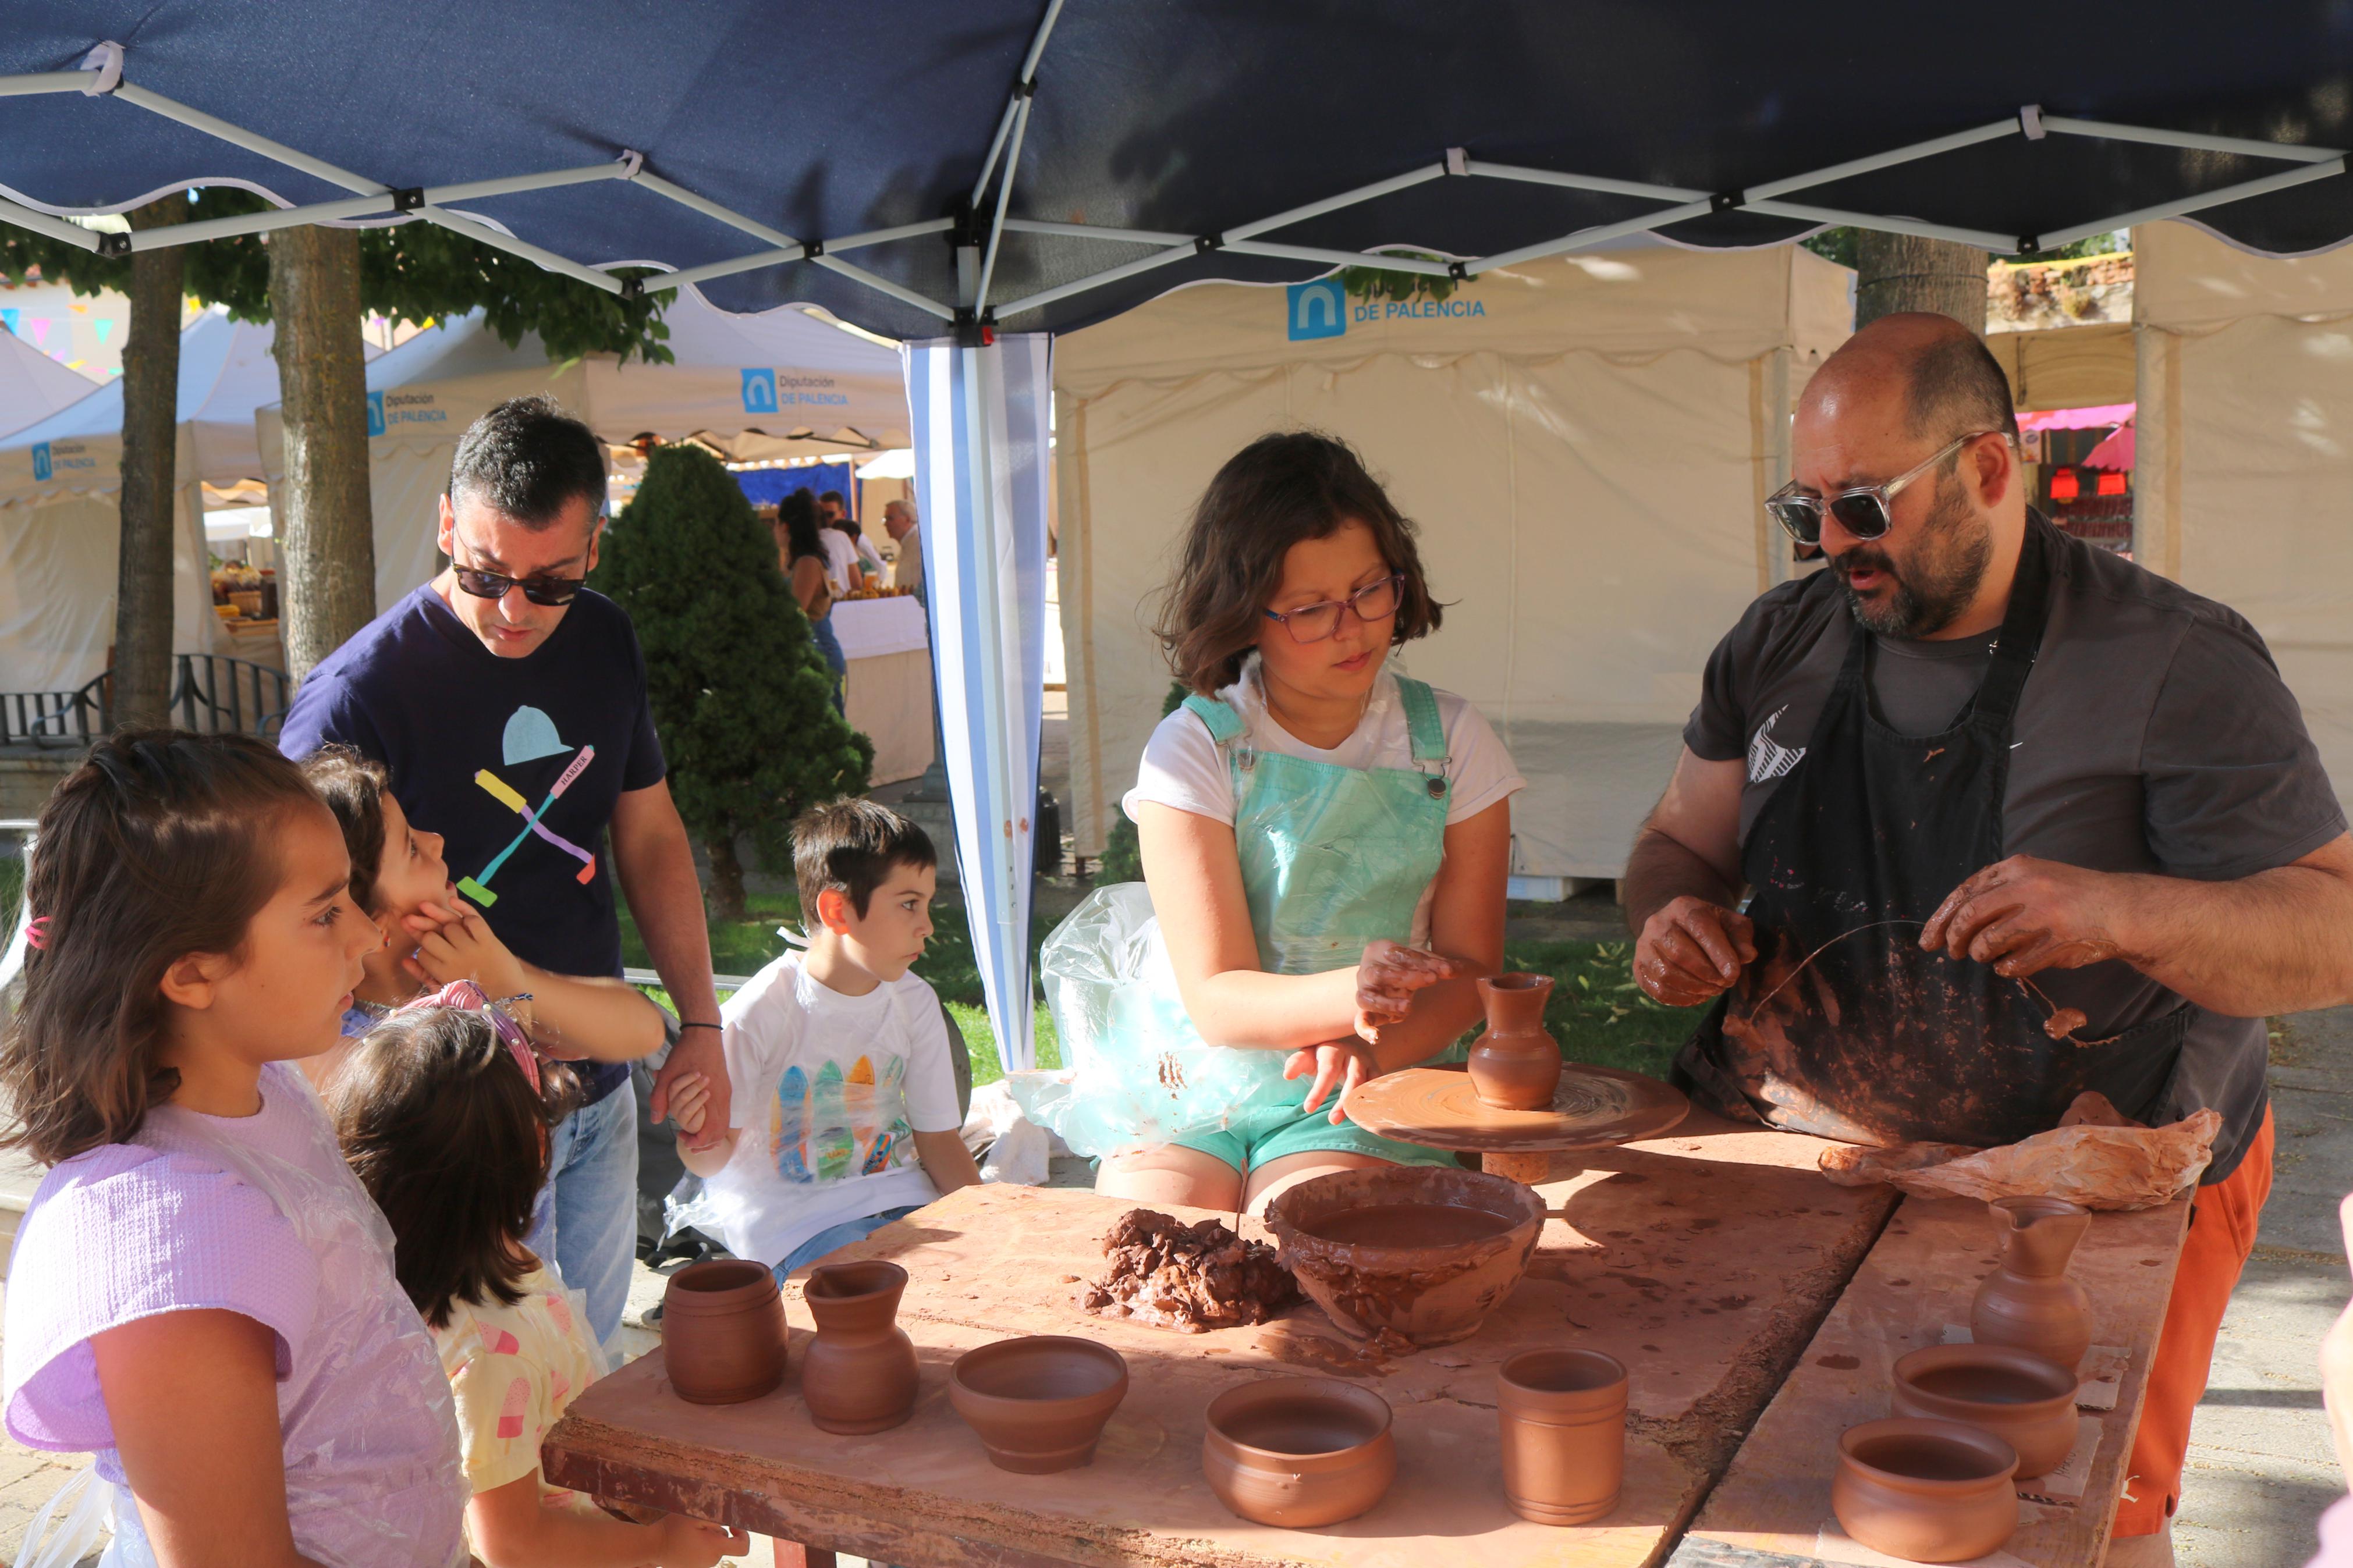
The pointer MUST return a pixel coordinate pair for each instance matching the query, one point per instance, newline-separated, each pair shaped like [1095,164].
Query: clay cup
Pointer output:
[1040,1403]
[2026,1400]
[1933,1491]
[1426,1295]
[1563,1415]
[1298,1452]
[859,1374]
[2028,1300]
[1516,1065]
[722,1332]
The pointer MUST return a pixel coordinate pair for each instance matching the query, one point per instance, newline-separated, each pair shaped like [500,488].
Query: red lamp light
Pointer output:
[2110,485]
[2063,485]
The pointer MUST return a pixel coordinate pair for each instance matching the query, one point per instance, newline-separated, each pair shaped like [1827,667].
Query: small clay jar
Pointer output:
[1516,1065]
[2026,1400]
[1298,1452]
[2029,1301]
[1564,1434]
[859,1374]
[1932,1491]
[1039,1402]
[722,1332]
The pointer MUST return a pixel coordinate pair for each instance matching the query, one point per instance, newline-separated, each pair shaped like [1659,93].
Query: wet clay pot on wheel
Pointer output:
[1932,1491]
[1040,1403]
[2029,1301]
[722,1332]
[859,1374]
[1298,1452]
[1516,1065]
[1422,1252]
[2024,1400]
[1563,1415]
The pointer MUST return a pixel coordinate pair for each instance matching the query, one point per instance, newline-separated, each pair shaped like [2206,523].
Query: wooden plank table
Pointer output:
[1920,1278]
[1703,1260]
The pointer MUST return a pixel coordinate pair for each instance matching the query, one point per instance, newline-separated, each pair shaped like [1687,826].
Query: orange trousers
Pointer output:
[2221,1233]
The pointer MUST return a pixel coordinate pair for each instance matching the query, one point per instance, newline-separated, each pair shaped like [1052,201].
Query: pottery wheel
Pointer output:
[1594,1107]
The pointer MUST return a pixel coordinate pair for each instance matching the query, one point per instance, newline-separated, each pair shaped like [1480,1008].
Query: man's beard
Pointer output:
[1930,592]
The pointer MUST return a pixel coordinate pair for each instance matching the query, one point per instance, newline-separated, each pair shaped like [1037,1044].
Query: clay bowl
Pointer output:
[1299,1451]
[1422,1252]
[2020,1397]
[1039,1402]
[722,1332]
[1933,1491]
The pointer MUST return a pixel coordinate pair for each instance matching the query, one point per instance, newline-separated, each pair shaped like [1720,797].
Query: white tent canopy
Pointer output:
[32,385]
[777,385]
[2243,452]
[60,511]
[1584,440]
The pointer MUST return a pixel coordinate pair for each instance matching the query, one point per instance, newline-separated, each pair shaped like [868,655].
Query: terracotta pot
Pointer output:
[1299,1451]
[1933,1491]
[859,1374]
[2026,1400]
[1422,1251]
[722,1332]
[1038,1404]
[1564,1430]
[2029,1301]
[1516,1065]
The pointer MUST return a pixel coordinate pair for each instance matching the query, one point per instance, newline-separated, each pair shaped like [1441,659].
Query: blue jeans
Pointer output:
[841,1234]
[586,1218]
[821,633]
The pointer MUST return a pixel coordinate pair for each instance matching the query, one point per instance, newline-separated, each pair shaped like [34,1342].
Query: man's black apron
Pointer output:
[1875,1041]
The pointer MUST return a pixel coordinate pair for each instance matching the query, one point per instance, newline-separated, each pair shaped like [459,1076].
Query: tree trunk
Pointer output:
[326,526]
[151,398]
[726,892]
[1897,273]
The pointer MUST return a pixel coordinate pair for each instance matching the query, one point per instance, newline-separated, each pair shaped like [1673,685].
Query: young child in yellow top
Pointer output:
[845,1113]
[444,1114]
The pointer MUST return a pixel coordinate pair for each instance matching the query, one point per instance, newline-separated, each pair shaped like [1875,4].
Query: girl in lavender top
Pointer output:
[201,1294]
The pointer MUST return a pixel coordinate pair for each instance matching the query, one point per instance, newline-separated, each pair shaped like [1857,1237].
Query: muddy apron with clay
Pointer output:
[1874,1041]
[1333,858]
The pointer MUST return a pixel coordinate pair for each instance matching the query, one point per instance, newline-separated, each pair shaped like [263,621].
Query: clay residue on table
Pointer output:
[1192,1277]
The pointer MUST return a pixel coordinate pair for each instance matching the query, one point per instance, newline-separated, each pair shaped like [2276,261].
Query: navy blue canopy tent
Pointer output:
[1035,165]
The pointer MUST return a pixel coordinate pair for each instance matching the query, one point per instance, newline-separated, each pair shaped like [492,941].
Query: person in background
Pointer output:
[2337,1395]
[507,703]
[833,514]
[801,551]
[906,531]
[201,1292]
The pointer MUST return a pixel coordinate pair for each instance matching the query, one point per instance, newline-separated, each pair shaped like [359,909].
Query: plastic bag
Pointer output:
[2100,1162]
[89,1505]
[1138,1072]
[1011,1149]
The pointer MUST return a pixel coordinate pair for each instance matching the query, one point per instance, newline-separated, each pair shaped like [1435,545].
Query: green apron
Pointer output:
[1332,859]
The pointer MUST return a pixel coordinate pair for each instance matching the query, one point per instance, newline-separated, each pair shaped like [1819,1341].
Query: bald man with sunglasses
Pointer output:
[2014,820]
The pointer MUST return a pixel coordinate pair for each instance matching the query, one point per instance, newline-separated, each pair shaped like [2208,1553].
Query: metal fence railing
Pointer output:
[210,692]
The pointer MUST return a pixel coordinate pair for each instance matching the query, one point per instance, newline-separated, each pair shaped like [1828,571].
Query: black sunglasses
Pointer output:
[538,590]
[1861,509]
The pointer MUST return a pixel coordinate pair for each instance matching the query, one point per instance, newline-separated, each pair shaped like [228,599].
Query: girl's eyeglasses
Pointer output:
[1315,623]
[1861,509]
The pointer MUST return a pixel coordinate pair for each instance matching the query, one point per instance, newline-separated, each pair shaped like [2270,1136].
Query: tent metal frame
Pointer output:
[101,76]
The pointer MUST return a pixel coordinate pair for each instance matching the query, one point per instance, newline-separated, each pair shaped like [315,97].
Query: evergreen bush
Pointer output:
[741,697]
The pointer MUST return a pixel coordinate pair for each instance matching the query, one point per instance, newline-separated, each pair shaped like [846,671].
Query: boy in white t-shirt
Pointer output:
[845,1111]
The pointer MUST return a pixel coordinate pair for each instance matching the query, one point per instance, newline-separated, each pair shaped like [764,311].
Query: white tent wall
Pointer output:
[1585,458]
[2243,452]
[32,385]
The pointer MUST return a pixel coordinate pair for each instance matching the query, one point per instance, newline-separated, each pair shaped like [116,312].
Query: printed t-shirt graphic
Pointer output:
[824,1128]
[529,735]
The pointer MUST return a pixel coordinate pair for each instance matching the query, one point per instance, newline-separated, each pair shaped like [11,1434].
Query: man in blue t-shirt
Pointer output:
[507,703]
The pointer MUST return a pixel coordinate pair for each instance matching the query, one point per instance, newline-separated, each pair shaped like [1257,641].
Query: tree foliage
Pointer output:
[413,271]
[741,697]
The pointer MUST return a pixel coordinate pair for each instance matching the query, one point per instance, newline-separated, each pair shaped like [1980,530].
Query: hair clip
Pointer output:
[36,933]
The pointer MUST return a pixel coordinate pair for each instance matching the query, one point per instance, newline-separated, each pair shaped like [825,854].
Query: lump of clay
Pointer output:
[1194,1278]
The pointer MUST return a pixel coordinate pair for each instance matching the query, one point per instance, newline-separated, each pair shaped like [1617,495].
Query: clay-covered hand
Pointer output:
[458,945]
[2024,915]
[692,1543]
[690,1103]
[1388,975]
[2337,1364]
[1339,1066]
[1690,951]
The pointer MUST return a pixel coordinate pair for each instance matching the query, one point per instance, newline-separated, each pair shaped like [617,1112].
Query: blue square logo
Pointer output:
[375,413]
[759,392]
[40,460]
[1318,310]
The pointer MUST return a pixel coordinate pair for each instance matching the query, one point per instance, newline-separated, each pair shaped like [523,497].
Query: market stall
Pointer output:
[32,385]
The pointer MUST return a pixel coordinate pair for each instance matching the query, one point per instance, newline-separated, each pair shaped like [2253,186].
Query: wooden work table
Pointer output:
[1703,1260]
[1773,1503]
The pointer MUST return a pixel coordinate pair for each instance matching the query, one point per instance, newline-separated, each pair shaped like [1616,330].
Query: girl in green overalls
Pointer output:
[1325,839]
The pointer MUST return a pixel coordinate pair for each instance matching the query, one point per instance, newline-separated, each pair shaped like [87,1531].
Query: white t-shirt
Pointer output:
[829,1091]
[840,560]
[1183,767]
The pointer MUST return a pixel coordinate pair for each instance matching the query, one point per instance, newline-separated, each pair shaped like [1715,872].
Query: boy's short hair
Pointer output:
[852,846]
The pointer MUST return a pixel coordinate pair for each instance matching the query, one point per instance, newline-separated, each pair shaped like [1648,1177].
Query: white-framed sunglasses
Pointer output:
[1861,509]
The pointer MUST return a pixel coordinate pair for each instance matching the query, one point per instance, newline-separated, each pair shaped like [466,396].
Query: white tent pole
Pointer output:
[885,235]
[712,209]
[1588,236]
[728,268]
[1004,195]
[317,168]
[1340,257]
[367,207]
[900,292]
[55,227]
[1024,85]
[1334,204]
[474,229]
[1088,231]
[2263,186]
[47,81]
[1582,182]
[2000,244]
[1098,280]
[1992,131]
[2197,141]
